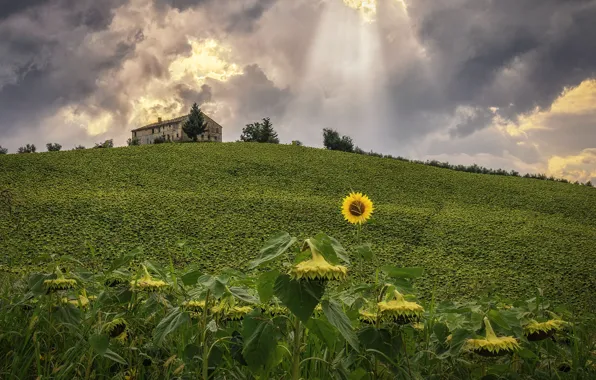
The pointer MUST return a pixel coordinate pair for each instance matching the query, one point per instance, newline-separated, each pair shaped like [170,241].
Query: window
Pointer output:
[152,131]
[176,135]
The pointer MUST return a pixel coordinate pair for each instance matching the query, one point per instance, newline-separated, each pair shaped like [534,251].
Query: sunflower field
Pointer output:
[166,261]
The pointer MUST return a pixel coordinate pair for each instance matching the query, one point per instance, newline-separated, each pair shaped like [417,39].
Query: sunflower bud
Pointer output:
[399,310]
[492,345]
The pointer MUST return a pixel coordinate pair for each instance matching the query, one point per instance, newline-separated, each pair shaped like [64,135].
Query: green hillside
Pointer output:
[468,231]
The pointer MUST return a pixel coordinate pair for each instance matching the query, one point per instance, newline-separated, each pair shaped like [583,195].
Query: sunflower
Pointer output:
[59,283]
[274,310]
[357,208]
[492,345]
[115,328]
[367,317]
[148,283]
[536,331]
[399,310]
[318,268]
[231,313]
[194,305]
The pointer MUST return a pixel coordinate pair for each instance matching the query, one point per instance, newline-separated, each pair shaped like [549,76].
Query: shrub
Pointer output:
[29,148]
[133,141]
[3,150]
[53,147]
[105,144]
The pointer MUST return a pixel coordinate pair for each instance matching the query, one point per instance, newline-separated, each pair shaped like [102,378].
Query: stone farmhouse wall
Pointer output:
[171,130]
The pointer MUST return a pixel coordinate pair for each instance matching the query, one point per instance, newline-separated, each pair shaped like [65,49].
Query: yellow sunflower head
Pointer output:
[492,345]
[367,317]
[115,328]
[536,331]
[357,208]
[318,268]
[148,283]
[399,310]
[194,306]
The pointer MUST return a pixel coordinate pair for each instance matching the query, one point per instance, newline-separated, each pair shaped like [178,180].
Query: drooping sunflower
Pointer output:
[536,331]
[231,313]
[492,345]
[59,283]
[357,208]
[399,310]
[148,283]
[116,327]
[367,317]
[317,268]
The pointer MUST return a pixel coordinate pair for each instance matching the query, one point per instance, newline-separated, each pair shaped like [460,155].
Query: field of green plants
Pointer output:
[168,262]
[470,232]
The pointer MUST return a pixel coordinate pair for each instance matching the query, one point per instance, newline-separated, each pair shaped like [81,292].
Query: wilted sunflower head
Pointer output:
[536,331]
[194,305]
[399,310]
[148,283]
[231,313]
[59,283]
[82,301]
[492,345]
[115,328]
[274,310]
[317,268]
[367,317]
[357,208]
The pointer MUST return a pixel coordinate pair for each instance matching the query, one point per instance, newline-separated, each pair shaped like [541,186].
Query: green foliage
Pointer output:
[53,147]
[261,132]
[297,143]
[29,148]
[333,141]
[105,144]
[79,147]
[196,124]
[472,234]
[3,150]
[133,141]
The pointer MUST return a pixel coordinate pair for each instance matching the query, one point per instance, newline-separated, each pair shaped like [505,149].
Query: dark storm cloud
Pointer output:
[471,43]
[45,61]
[10,7]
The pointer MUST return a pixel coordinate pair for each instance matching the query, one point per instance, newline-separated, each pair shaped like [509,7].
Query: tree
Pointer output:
[297,143]
[133,141]
[196,124]
[53,147]
[262,132]
[333,141]
[29,148]
[589,184]
[79,147]
[159,140]
[105,144]
[3,150]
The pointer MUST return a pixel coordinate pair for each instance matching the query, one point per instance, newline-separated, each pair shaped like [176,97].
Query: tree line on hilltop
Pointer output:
[263,132]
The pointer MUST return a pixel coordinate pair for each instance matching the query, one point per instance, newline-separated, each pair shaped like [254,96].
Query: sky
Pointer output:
[502,83]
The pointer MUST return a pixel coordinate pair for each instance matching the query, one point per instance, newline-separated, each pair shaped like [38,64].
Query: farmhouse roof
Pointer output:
[210,123]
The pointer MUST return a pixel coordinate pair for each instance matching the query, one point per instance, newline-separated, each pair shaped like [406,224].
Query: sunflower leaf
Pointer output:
[170,323]
[329,248]
[243,295]
[265,285]
[336,316]
[277,245]
[323,330]
[301,297]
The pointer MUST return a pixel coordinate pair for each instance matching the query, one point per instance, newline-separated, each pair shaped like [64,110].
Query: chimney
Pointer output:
[159,119]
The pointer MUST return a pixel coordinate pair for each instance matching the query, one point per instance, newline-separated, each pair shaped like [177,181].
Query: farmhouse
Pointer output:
[171,130]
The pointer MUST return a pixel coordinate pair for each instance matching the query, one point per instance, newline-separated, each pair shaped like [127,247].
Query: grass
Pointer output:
[470,232]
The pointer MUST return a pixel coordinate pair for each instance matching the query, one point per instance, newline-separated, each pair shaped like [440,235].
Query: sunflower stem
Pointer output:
[205,372]
[296,353]
[403,343]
